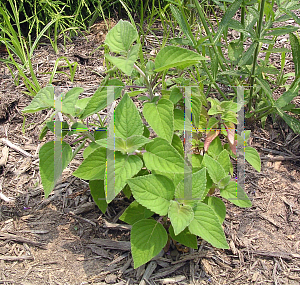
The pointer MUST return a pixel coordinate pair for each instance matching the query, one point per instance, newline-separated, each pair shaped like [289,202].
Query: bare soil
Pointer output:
[60,240]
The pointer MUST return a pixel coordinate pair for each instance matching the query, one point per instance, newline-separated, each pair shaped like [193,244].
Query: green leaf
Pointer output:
[247,55]
[127,119]
[197,193]
[126,146]
[153,192]
[215,148]
[282,31]
[185,27]
[266,87]
[293,123]
[178,120]
[185,237]
[206,224]
[175,95]
[134,213]
[64,127]
[121,37]
[126,166]
[89,149]
[196,113]
[226,19]
[70,99]
[180,216]
[235,194]
[125,63]
[224,160]
[171,56]
[252,156]
[214,168]
[162,156]
[43,99]
[99,99]
[295,44]
[235,50]
[54,158]
[148,238]
[177,144]
[161,118]
[98,194]
[286,98]
[93,167]
[218,206]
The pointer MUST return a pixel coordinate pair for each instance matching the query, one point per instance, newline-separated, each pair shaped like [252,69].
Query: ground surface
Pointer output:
[60,240]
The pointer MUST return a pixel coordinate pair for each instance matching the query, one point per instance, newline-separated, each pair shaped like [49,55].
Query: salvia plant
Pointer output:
[175,157]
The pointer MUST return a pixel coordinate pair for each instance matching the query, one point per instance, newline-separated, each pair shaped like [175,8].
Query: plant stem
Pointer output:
[146,81]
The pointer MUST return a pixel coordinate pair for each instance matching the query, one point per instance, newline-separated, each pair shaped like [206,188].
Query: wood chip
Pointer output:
[99,251]
[284,255]
[5,236]
[112,244]
[4,157]
[149,270]
[115,226]
[173,280]
[16,258]
[164,272]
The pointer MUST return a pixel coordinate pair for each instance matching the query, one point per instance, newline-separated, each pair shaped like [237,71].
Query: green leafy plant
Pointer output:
[245,66]
[171,186]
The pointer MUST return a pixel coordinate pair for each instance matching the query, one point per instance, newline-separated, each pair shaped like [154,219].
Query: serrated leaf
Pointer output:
[214,168]
[148,238]
[185,237]
[178,120]
[135,212]
[93,167]
[180,216]
[126,166]
[43,99]
[172,56]
[177,144]
[161,118]
[162,156]
[54,158]
[127,119]
[126,146]
[235,194]
[121,37]
[70,99]
[218,206]
[252,156]
[125,63]
[98,194]
[197,193]
[206,224]
[175,95]
[153,192]
[89,149]
[212,143]
[224,159]
[99,100]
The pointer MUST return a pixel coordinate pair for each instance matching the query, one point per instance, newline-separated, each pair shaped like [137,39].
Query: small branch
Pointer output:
[15,147]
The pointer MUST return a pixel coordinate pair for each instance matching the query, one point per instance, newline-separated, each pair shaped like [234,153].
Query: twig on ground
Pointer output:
[15,147]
